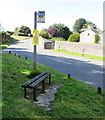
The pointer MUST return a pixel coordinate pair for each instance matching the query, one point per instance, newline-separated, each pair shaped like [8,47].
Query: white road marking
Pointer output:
[59,60]
[97,71]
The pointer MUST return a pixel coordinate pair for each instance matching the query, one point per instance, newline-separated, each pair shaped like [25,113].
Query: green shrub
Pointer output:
[57,39]
[97,38]
[44,33]
[75,37]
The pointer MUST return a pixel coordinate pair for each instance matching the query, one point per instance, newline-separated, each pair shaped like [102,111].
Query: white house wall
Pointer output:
[87,36]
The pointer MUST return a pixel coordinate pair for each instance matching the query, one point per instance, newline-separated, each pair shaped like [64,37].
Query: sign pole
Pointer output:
[35,27]
[41,19]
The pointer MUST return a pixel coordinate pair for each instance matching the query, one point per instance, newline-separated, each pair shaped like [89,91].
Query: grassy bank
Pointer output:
[12,40]
[6,44]
[79,54]
[74,100]
[20,37]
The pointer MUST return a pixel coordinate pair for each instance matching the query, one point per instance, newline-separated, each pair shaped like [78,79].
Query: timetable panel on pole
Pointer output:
[41,17]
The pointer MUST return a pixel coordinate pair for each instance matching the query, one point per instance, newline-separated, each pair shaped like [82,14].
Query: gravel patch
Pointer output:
[45,100]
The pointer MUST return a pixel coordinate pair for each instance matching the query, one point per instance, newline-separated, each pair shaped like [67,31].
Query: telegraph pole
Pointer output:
[35,28]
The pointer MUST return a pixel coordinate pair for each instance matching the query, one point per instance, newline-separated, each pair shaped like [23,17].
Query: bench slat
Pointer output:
[34,79]
[39,80]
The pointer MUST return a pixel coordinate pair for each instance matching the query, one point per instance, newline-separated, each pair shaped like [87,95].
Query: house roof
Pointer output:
[95,31]
[83,30]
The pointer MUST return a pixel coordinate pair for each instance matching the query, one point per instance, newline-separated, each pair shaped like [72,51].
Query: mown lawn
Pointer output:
[79,54]
[74,100]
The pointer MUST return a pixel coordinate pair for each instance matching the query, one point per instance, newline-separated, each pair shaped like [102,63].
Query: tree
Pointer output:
[79,24]
[44,33]
[53,32]
[23,31]
[62,30]
[16,28]
[89,23]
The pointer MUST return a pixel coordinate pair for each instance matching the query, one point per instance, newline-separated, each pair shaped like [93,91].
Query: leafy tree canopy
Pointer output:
[79,24]
[16,28]
[89,23]
[23,30]
[44,33]
[62,30]
[53,32]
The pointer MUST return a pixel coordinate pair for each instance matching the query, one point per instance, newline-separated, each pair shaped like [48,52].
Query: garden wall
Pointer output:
[45,43]
[90,49]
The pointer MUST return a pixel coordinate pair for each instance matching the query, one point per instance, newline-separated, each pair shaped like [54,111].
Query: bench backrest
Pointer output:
[33,79]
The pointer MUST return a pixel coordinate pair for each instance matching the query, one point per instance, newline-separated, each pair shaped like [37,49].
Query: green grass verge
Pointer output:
[79,54]
[12,40]
[3,46]
[73,100]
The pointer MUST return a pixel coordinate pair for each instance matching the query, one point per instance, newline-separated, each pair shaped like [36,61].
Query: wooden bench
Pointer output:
[35,81]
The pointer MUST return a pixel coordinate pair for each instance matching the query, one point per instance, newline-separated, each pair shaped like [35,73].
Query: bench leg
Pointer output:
[43,85]
[34,93]
[24,92]
[49,79]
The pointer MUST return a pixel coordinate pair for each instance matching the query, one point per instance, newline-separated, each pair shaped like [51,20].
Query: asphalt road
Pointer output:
[87,70]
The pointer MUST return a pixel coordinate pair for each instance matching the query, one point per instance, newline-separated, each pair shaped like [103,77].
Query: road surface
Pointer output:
[87,70]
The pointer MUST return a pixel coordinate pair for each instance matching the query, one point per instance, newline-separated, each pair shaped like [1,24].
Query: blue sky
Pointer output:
[14,13]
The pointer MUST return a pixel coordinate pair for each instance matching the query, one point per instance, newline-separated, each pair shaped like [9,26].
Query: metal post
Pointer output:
[83,52]
[59,48]
[35,27]
[99,90]
[68,75]
[10,52]
[26,58]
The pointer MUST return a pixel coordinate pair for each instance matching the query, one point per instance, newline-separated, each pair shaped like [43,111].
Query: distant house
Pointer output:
[88,35]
